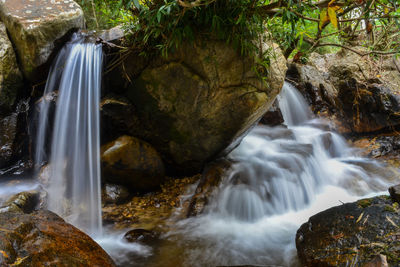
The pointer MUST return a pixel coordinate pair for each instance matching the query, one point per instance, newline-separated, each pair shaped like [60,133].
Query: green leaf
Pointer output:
[137,4]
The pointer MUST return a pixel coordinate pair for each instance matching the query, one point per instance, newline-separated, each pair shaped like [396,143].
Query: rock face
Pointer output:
[361,92]
[10,75]
[132,162]
[351,234]
[42,238]
[191,106]
[36,25]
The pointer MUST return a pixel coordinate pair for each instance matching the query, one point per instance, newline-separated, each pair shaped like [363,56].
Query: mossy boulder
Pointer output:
[10,76]
[351,234]
[132,162]
[35,26]
[202,98]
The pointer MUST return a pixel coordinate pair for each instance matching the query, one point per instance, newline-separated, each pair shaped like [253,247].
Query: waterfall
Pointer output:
[74,188]
[279,178]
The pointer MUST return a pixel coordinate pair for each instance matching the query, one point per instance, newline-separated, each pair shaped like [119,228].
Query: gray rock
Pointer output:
[36,25]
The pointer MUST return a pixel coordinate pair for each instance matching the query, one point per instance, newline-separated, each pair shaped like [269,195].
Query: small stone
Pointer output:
[395,193]
[143,236]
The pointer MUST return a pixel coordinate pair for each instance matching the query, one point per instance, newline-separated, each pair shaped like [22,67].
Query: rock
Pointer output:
[112,35]
[379,261]
[14,141]
[395,193]
[368,108]
[8,127]
[10,76]
[42,238]
[273,116]
[313,84]
[351,233]
[350,90]
[114,119]
[24,202]
[35,26]
[205,96]
[210,180]
[143,236]
[132,162]
[114,194]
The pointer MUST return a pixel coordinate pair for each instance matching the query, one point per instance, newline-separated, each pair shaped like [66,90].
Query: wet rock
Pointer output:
[351,233]
[273,116]
[14,141]
[349,90]
[132,162]
[36,26]
[369,108]
[209,182]
[192,105]
[24,202]
[8,127]
[44,238]
[115,194]
[10,75]
[395,193]
[143,236]
[313,84]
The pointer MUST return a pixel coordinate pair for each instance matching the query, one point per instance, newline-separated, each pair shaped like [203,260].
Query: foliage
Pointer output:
[300,27]
[104,14]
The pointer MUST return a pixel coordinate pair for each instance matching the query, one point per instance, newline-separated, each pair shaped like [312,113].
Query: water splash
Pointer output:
[74,188]
[281,176]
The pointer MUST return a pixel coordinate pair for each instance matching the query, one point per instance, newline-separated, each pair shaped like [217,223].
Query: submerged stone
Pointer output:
[36,25]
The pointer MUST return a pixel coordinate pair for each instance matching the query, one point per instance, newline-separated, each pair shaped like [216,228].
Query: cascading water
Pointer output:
[74,162]
[280,177]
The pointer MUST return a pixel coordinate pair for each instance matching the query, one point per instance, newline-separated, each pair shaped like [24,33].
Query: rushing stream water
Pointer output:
[282,176]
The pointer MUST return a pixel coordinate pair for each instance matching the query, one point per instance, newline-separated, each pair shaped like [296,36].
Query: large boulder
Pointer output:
[10,75]
[42,238]
[194,104]
[35,26]
[132,162]
[361,92]
[351,234]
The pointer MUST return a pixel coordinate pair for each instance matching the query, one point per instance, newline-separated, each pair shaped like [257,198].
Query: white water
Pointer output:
[282,176]
[74,187]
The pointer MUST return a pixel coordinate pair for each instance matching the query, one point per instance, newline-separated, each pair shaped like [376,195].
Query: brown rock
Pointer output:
[42,238]
[210,180]
[132,162]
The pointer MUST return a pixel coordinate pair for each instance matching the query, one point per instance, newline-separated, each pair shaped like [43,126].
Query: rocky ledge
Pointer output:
[353,234]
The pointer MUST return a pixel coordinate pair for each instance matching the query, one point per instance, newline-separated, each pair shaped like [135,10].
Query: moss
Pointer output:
[363,203]
[389,208]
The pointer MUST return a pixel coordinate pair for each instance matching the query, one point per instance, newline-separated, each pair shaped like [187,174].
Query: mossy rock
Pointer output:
[351,233]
